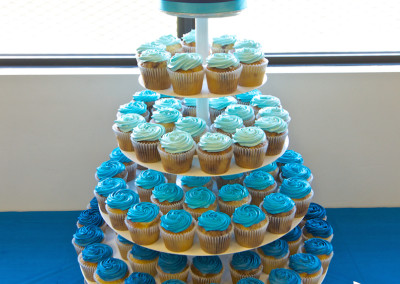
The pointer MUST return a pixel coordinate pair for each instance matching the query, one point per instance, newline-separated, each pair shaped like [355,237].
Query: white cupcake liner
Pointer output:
[294,246]
[188,49]
[123,249]
[180,241]
[302,205]
[155,78]
[144,235]
[187,84]
[229,208]
[214,164]
[177,163]
[131,168]
[146,151]
[310,279]
[214,113]
[148,267]
[123,138]
[101,200]
[215,278]
[189,111]
[196,213]
[248,157]
[279,224]
[144,194]
[223,82]
[221,182]
[214,244]
[257,196]
[250,238]
[123,175]
[183,275]
[270,263]
[236,276]
[87,270]
[165,208]
[117,219]
[305,237]
[252,75]
[325,261]
[275,143]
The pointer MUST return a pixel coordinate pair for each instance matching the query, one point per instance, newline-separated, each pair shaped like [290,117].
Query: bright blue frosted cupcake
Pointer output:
[245,264]
[173,281]
[189,107]
[296,170]
[243,111]
[189,41]
[117,205]
[321,249]
[199,200]
[124,246]
[290,156]
[294,239]
[272,169]
[245,98]
[229,179]
[146,96]
[227,124]
[91,217]
[137,107]
[300,191]
[105,187]
[168,196]
[315,211]
[195,126]
[91,256]
[172,43]
[283,275]
[168,102]
[318,228]
[143,260]
[206,269]
[247,43]
[259,184]
[111,270]
[152,64]
[143,221]
[308,266]
[166,117]
[85,236]
[214,231]
[232,196]
[280,210]
[189,182]
[130,166]
[261,101]
[274,255]
[254,65]
[93,204]
[223,44]
[172,266]
[111,169]
[250,225]
[275,111]
[140,278]
[123,127]
[276,130]
[218,106]
[146,182]
[250,280]
[150,45]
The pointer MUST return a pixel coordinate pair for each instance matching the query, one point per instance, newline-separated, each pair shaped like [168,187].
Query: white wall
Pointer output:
[57,128]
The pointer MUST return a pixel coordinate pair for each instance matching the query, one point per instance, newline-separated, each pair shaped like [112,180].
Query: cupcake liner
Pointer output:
[236,276]
[249,157]
[171,178]
[144,235]
[223,82]
[249,237]
[325,261]
[221,182]
[176,163]
[214,113]
[140,167]
[252,75]
[87,270]
[229,208]
[305,237]
[146,151]
[148,267]
[275,143]
[279,224]
[123,138]
[155,78]
[197,279]
[144,194]
[275,174]
[98,280]
[188,49]
[249,122]
[270,263]
[101,200]
[123,175]
[187,83]
[178,242]
[214,244]
[117,219]
[123,249]
[294,246]
[310,278]
[183,275]
[131,168]
[164,208]
[214,163]
[189,111]
[257,196]
[302,205]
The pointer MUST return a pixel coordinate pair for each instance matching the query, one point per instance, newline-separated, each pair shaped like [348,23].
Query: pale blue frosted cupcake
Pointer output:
[247,43]
[254,65]
[189,41]
[308,266]
[245,264]
[259,184]
[274,255]
[123,128]
[283,275]
[189,182]
[261,101]
[152,64]
[232,196]
[199,200]
[111,270]
[223,44]
[245,98]
[117,205]
[146,182]
[172,266]
[206,269]
[146,96]
[218,106]
[169,103]
[245,112]
[274,111]
[280,210]
[276,130]
[172,43]
[195,126]
[227,124]
[300,191]
[168,196]
[229,179]
[150,45]
[166,117]
[137,107]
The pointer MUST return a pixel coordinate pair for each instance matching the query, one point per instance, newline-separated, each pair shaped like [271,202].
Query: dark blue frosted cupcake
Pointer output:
[308,266]
[206,269]
[274,255]
[321,249]
[142,259]
[124,246]
[140,278]
[250,280]
[282,275]
[93,204]
[296,170]
[174,281]
[91,256]
[294,239]
[111,270]
[85,236]
[315,211]
[172,266]
[245,264]
[91,217]
[317,228]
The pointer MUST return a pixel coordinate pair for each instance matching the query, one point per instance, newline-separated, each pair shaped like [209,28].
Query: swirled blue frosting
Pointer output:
[140,278]
[304,263]
[176,221]
[96,252]
[172,263]
[317,246]
[122,199]
[284,276]
[121,239]
[190,181]
[109,169]
[190,102]
[247,260]
[295,188]
[146,96]
[319,228]
[177,141]
[154,55]
[315,211]
[269,168]
[112,269]
[168,40]
[108,185]
[133,107]
[143,253]
[276,203]
[214,221]
[222,60]
[222,102]
[117,155]
[247,97]
[208,264]
[272,124]
[293,235]
[149,179]
[189,37]
[224,40]
[245,112]
[184,61]
[148,132]
[274,111]
[91,217]
[249,136]
[232,192]
[173,281]
[150,45]
[168,192]
[87,235]
[247,43]
[192,125]
[166,115]
[249,280]
[248,215]
[248,55]
[168,102]
[143,212]
[276,249]
[215,142]
[94,204]
[228,123]
[290,156]
[295,170]
[231,177]
[199,197]
[259,180]
[262,101]
[129,121]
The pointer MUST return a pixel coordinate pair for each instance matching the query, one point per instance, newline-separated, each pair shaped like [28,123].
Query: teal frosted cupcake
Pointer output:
[189,41]
[229,179]
[140,278]
[91,217]
[150,45]
[315,211]
[172,266]
[206,269]
[111,270]
[143,260]
[261,101]
[250,280]
[172,43]
[105,187]
[227,124]
[296,170]
[254,65]
[123,128]
[173,281]
[308,266]
[134,107]
[276,130]
[283,275]
[91,256]
[189,182]
[146,96]
[232,196]
[85,236]
[146,182]
[259,184]
[247,43]
[218,106]
[168,196]
[166,117]
[189,107]
[318,228]
[294,239]
[245,98]
[274,111]
[124,246]
[274,255]
[321,249]
[199,200]
[290,156]
[243,111]
[168,102]
[111,169]
[223,44]
[245,264]
[272,169]
[153,67]
[117,205]
[130,166]
[195,126]
[300,191]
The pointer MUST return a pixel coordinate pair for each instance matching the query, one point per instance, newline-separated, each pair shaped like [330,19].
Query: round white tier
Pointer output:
[195,170]
[205,93]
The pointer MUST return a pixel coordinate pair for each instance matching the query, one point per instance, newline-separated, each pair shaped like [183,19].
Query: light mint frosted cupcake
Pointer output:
[254,65]
[276,130]
[195,126]
[189,41]
[259,184]
[168,102]
[150,45]
[261,101]
[189,107]
[172,43]
[245,112]
[153,67]
[275,111]
[166,117]
[134,107]
[247,43]
[218,106]
[123,128]
[223,43]
[227,124]
[245,98]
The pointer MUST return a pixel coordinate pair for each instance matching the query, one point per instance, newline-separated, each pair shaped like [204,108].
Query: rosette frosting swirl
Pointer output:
[112,269]
[184,61]
[176,221]
[122,199]
[148,132]
[189,37]
[228,123]
[96,252]
[149,179]
[168,40]
[222,60]
[276,249]
[290,156]
[249,280]
[192,125]
[274,111]
[208,264]
[195,181]
[166,115]
[272,124]
[109,169]
[150,45]
[247,43]
[295,188]
[128,121]
[304,263]
[117,155]
[319,228]
[293,235]
[154,55]
[248,55]
[317,246]
[222,102]
[167,192]
[259,180]
[247,260]
[140,278]
[247,97]
[133,107]
[172,263]
[315,211]
[199,197]
[143,253]
[248,215]
[245,112]
[276,203]
[214,221]
[249,136]
[108,185]
[215,142]
[87,235]
[177,141]
[91,217]
[143,212]
[262,101]
[296,170]
[232,192]
[224,40]
[190,102]
[146,96]
[284,276]
[168,102]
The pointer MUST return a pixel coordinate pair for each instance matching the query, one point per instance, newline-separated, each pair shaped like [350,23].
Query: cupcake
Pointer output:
[145,139]
[173,44]
[93,204]
[232,196]
[146,182]
[308,266]
[245,264]
[139,278]
[189,107]
[315,211]
[227,124]
[173,281]
[166,117]
[229,179]
[280,210]
[117,205]
[218,106]
[195,126]
[137,107]
[250,280]
[168,196]
[169,103]
[223,43]
[283,275]
[150,45]
[85,236]
[317,228]
[189,182]
[143,260]
[259,184]
[261,101]
[123,129]
[91,217]
[272,169]
[245,98]
[130,166]
[249,147]
[300,191]
[215,152]
[276,130]
[293,239]
[222,73]
[245,112]
[146,96]
[111,169]
[153,67]
[111,270]
[124,246]
[290,156]
[246,43]
[274,111]
[254,65]
[105,187]
[176,150]
[189,41]
[214,230]
[172,266]
[206,269]
[91,256]
[294,170]
[274,255]
[321,249]
[186,73]
[142,221]
[199,200]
